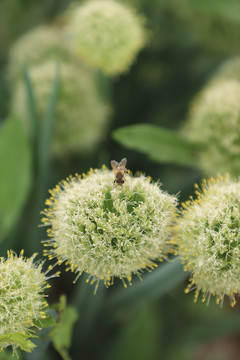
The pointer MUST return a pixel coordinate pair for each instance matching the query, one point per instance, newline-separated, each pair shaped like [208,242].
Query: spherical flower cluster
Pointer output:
[107,35]
[108,230]
[209,239]
[22,300]
[214,123]
[228,70]
[81,114]
[43,43]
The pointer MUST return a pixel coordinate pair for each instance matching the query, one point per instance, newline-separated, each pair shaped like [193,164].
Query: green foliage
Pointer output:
[159,144]
[62,333]
[138,340]
[153,286]
[19,339]
[226,9]
[47,127]
[49,321]
[15,165]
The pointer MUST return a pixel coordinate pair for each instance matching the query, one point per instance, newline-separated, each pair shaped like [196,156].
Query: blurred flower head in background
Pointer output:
[82,113]
[214,123]
[106,35]
[209,239]
[228,70]
[109,230]
[22,301]
[45,42]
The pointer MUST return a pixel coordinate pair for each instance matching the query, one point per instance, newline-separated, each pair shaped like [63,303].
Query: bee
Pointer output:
[119,170]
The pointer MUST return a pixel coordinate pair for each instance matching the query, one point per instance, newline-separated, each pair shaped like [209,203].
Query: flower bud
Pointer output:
[108,230]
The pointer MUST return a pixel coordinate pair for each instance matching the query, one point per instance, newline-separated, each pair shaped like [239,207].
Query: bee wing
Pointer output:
[123,162]
[114,164]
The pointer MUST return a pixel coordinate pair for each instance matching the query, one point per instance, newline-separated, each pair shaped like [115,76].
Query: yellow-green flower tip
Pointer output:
[107,230]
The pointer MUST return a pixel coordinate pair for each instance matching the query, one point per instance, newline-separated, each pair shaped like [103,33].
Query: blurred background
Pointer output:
[187,41]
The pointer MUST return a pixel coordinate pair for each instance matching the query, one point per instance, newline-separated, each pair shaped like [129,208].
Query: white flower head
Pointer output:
[22,299]
[106,34]
[214,122]
[108,230]
[209,239]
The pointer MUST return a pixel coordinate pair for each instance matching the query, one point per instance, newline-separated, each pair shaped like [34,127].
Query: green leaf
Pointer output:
[47,128]
[62,333]
[159,144]
[152,287]
[89,304]
[228,10]
[44,323]
[31,105]
[15,165]
[7,354]
[18,339]
[139,339]
[61,306]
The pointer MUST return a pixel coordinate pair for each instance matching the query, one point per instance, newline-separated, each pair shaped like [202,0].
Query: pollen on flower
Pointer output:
[209,240]
[106,230]
[22,285]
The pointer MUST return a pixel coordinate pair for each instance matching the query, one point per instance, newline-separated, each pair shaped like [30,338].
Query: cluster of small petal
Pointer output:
[108,230]
[45,42]
[209,239]
[81,114]
[214,123]
[22,300]
[106,35]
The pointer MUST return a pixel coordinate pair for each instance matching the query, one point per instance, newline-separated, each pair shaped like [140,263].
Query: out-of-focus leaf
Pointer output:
[229,10]
[42,341]
[211,328]
[89,305]
[152,287]
[159,144]
[15,165]
[47,127]
[42,156]
[139,339]
[62,333]
[44,323]
[17,338]
[7,354]
[31,105]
